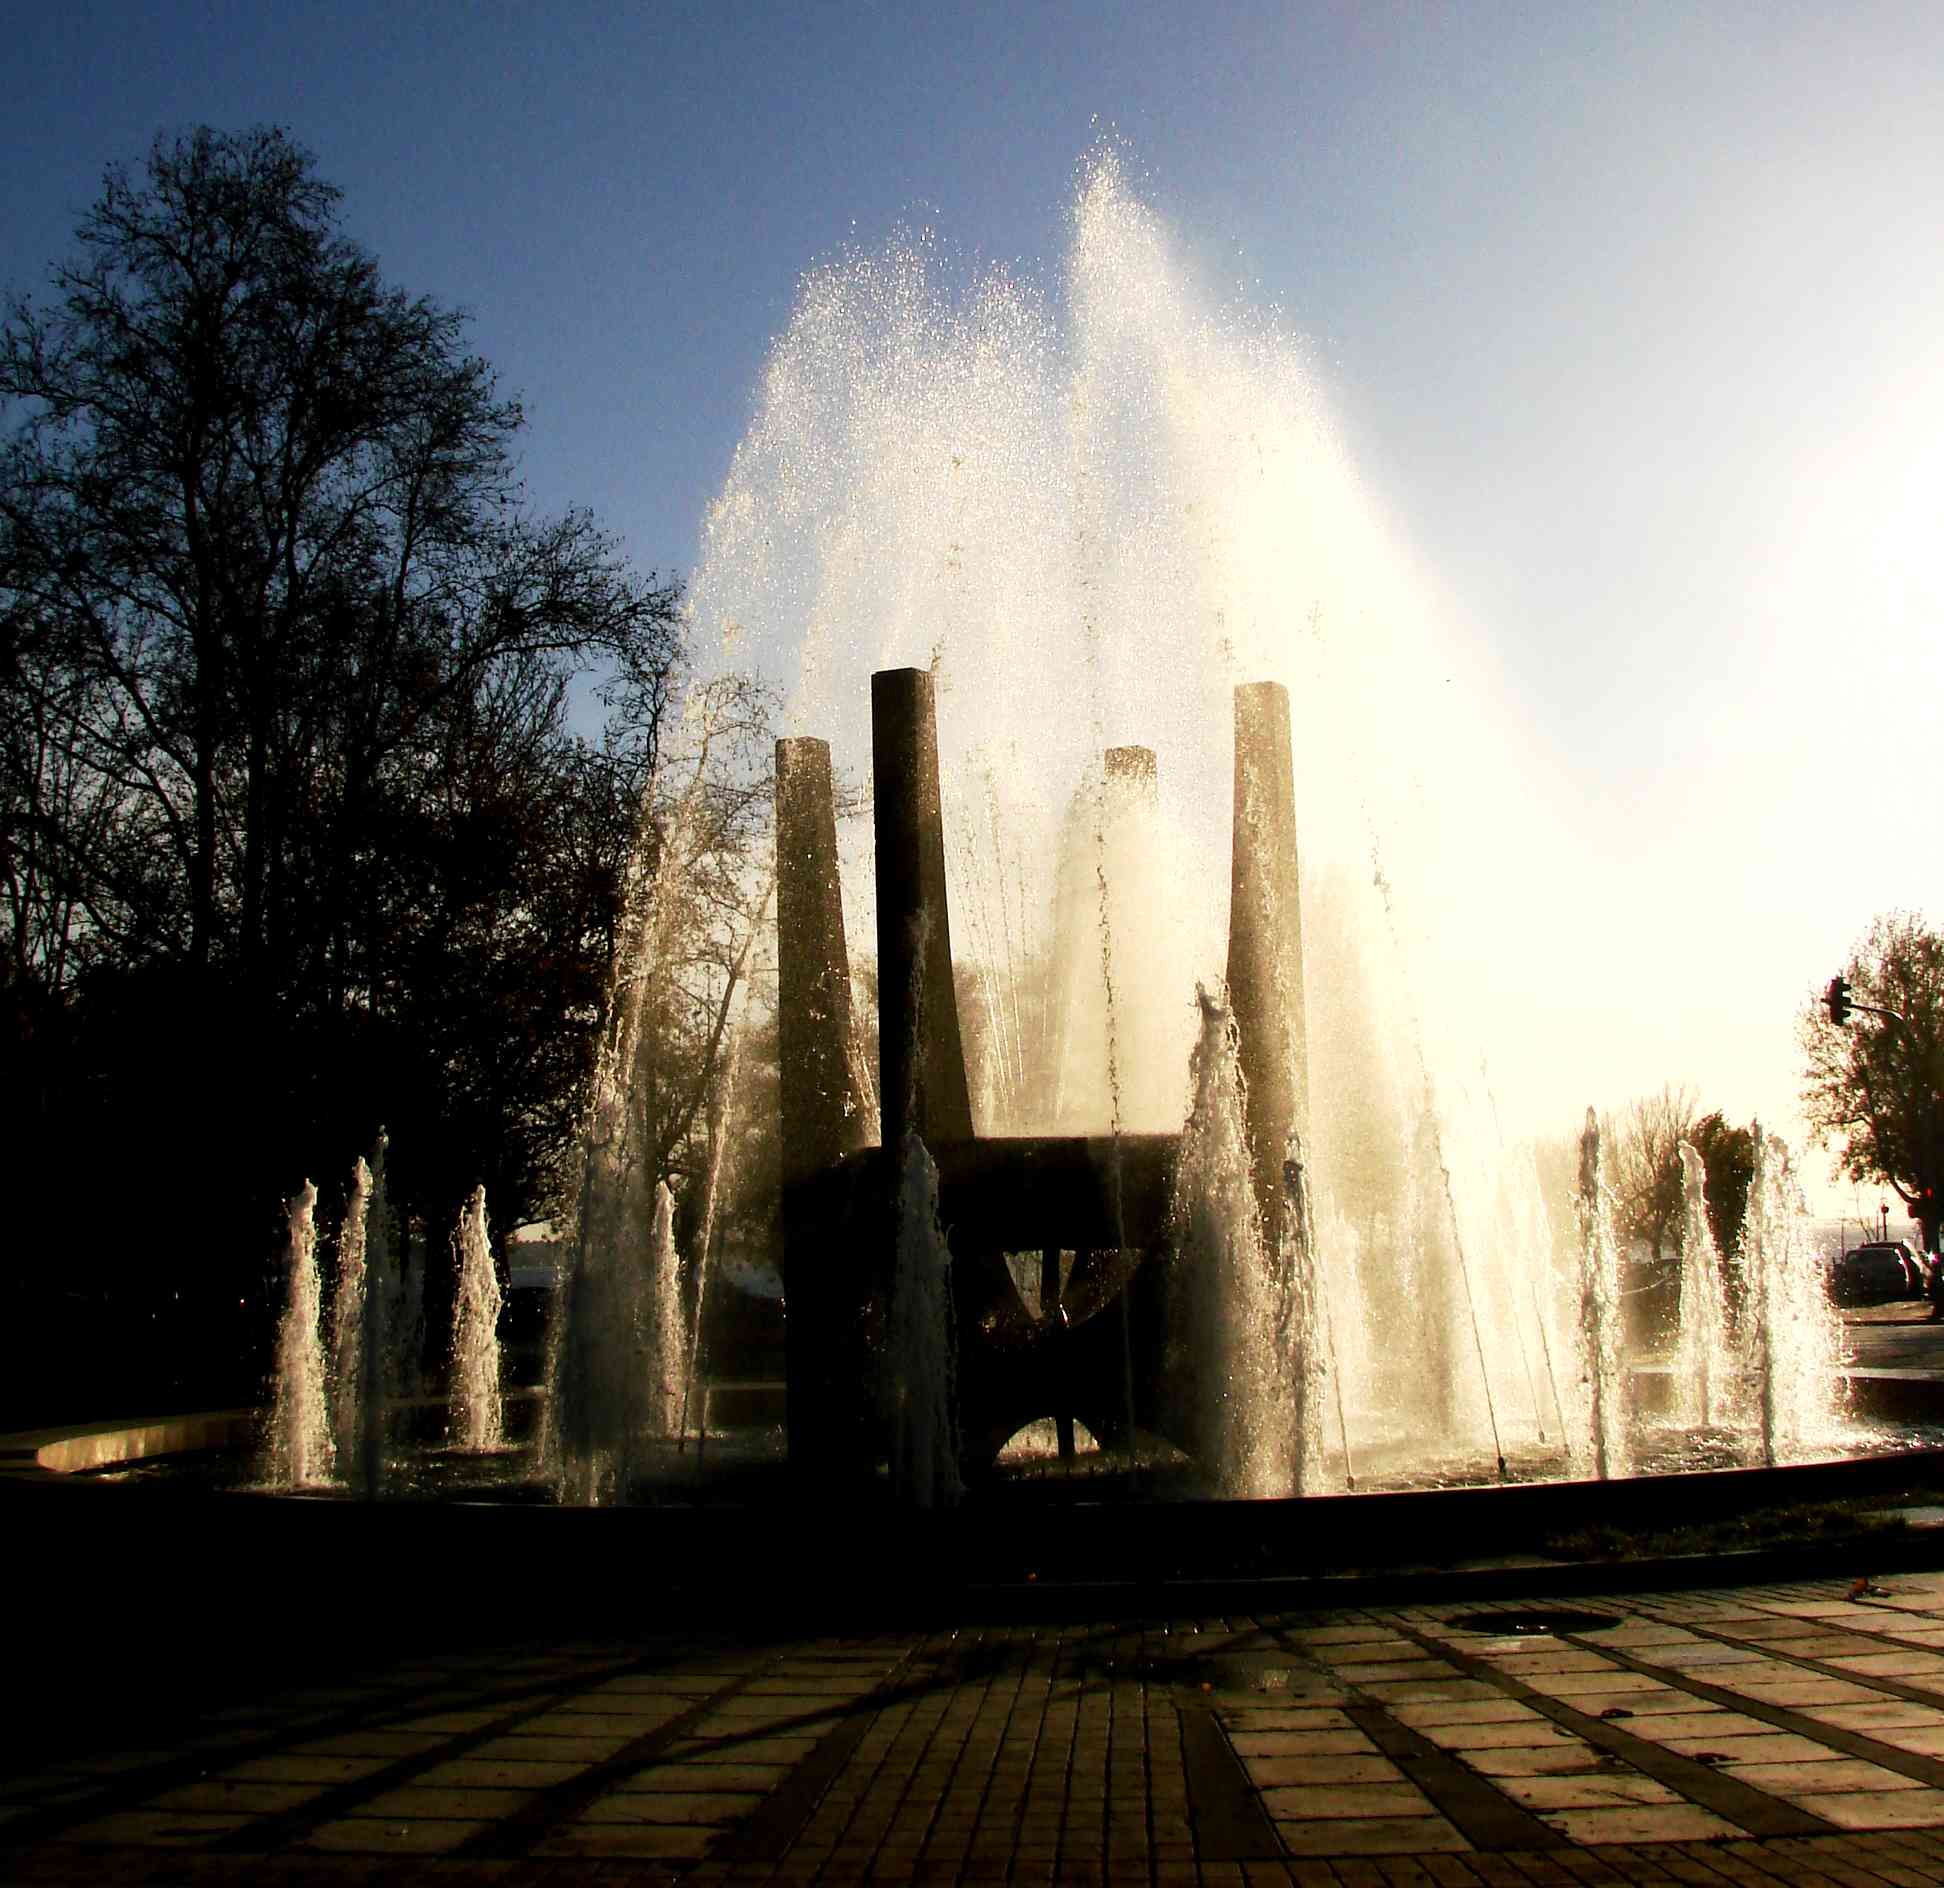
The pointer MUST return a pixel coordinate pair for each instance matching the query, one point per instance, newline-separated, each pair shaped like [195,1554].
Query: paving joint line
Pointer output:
[1148,1708]
[1127,1768]
[1044,1665]
[1742,1804]
[1489,1819]
[512,1836]
[972,1664]
[951,1666]
[282,1828]
[1901,1847]
[1823,1863]
[1850,1870]
[1928,1771]
[594,1781]
[883,1780]
[1722,1866]
[1894,1687]
[1483,1814]
[1019,1670]
[132,1789]
[993,1702]
[846,1833]
[778,1823]
[1069,1669]
[1226,1812]
[1143,1701]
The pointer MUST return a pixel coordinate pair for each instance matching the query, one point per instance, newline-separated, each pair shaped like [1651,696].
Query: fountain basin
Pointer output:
[1015,1545]
[737,1459]
[80,1448]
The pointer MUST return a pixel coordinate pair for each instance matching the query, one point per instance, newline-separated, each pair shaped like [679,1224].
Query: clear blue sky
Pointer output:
[1632,315]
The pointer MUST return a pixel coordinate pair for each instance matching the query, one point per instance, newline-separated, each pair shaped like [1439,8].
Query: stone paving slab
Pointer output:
[1778,1733]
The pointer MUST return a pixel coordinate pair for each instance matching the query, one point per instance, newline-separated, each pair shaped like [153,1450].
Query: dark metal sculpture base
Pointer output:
[1058,1195]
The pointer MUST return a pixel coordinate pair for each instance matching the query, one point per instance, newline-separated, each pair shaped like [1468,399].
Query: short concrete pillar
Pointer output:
[921,1058]
[1265,954]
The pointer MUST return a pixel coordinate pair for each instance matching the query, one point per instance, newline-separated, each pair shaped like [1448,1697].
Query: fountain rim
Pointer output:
[1074,1560]
[66,1454]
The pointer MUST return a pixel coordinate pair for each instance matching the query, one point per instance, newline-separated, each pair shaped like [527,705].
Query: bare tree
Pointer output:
[1644,1172]
[1645,1165]
[297,835]
[264,507]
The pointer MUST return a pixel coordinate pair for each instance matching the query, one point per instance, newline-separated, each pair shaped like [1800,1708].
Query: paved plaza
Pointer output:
[1787,1732]
[1774,1733]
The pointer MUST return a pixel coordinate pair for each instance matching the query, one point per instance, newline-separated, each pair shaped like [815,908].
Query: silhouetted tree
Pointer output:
[700,904]
[295,834]
[1876,1083]
[1644,1166]
[1644,1171]
[1728,1154]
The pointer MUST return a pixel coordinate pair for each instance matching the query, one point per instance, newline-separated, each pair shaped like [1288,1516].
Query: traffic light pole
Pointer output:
[1838,1001]
[1840,1004]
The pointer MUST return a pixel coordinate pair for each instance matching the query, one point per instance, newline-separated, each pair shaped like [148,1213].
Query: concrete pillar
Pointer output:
[1265,955]
[822,1115]
[921,1058]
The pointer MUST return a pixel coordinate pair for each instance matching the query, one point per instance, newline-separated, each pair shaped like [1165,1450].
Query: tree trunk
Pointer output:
[202,865]
[258,838]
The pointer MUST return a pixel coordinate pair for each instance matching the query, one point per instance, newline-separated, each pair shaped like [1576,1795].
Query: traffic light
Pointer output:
[1837,996]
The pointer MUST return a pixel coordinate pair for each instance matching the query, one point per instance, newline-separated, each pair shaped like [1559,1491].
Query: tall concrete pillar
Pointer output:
[822,1115]
[921,1058]
[1265,955]
[1133,797]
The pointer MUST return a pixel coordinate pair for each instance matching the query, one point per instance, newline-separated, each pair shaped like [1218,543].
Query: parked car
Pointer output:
[1878,1272]
[1916,1266]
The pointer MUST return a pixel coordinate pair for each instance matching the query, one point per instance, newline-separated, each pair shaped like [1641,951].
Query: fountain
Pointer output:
[1790,1328]
[475,1376]
[1111,922]
[1030,538]
[297,1450]
[350,1399]
[1175,1151]
[1599,1324]
[1247,1360]
[376,1326]
[1185,1291]
[1703,1364]
[386,1326]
